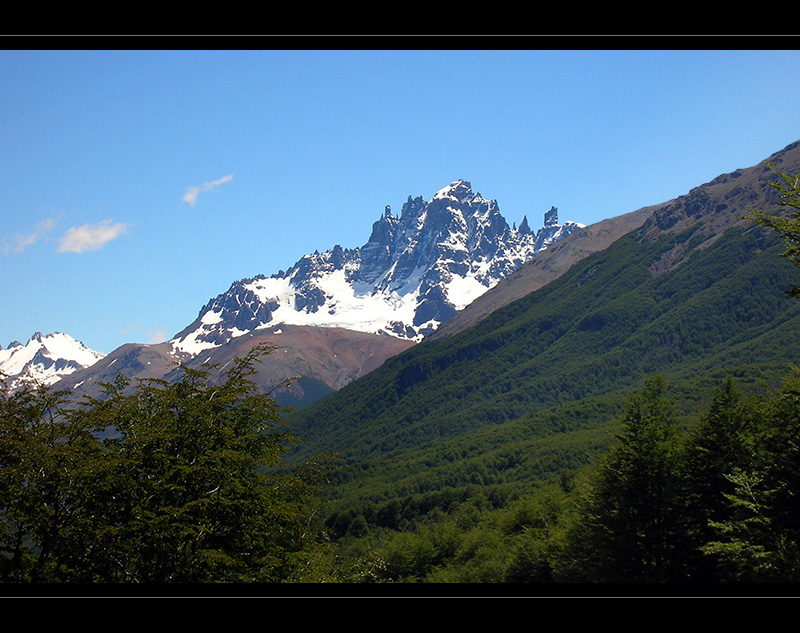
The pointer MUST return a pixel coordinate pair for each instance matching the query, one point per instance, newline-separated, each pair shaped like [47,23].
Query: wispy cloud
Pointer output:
[90,237]
[18,242]
[191,194]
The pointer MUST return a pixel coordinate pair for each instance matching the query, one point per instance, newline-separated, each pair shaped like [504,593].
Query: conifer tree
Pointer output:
[717,445]
[758,537]
[627,528]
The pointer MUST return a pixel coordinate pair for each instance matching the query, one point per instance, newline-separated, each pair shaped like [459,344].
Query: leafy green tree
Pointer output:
[530,560]
[787,225]
[46,460]
[748,546]
[187,485]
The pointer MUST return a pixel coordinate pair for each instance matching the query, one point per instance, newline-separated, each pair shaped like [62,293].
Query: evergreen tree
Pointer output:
[749,547]
[757,538]
[717,445]
[626,532]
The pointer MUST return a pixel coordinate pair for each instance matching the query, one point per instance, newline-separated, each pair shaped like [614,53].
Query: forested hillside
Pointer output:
[510,418]
[599,330]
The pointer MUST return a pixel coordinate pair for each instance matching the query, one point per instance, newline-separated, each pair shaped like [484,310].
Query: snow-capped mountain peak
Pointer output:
[457,190]
[415,271]
[45,358]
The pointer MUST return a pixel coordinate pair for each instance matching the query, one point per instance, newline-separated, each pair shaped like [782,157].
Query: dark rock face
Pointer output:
[424,265]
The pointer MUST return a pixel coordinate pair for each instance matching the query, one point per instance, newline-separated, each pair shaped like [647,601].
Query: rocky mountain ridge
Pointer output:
[415,272]
[693,291]
[458,237]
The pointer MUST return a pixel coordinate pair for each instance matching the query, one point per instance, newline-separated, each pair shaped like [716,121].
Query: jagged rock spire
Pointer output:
[551,217]
[414,272]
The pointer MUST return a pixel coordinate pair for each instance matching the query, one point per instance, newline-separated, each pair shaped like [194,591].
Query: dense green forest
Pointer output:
[617,427]
[714,503]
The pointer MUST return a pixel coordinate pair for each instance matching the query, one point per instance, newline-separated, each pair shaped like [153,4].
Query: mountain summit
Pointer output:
[45,358]
[415,272]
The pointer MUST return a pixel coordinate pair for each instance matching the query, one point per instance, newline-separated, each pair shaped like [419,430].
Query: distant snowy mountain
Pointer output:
[415,272]
[45,358]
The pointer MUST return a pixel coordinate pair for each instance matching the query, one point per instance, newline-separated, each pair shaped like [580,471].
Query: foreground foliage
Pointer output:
[716,503]
[159,482]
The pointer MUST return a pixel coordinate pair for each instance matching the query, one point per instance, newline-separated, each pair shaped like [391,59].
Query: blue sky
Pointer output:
[137,185]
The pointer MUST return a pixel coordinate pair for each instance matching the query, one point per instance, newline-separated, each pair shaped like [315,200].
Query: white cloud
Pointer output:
[18,243]
[90,237]
[191,194]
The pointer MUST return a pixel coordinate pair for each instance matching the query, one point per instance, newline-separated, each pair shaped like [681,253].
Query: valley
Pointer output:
[465,437]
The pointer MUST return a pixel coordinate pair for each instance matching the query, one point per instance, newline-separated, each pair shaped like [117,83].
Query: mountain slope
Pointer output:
[544,268]
[323,359]
[694,293]
[339,314]
[734,192]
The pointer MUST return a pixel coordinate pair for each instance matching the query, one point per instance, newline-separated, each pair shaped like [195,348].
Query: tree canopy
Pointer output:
[154,482]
